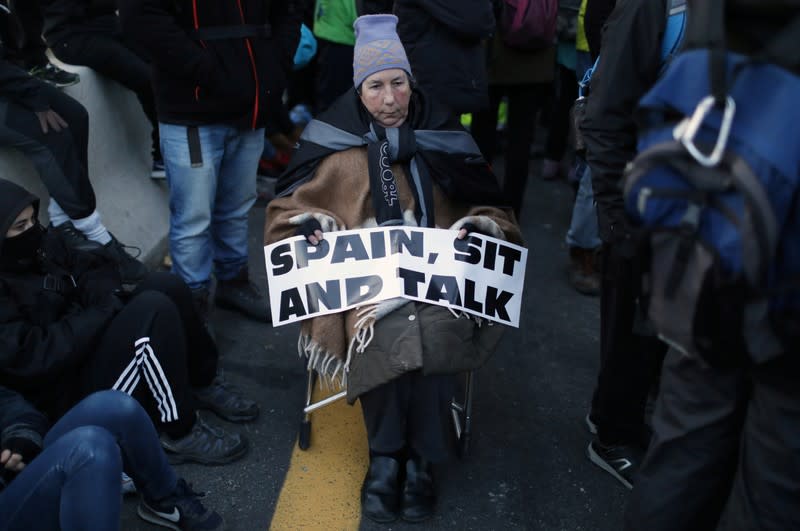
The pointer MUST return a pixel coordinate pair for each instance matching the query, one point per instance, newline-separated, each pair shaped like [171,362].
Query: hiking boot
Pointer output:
[73,238]
[621,461]
[53,75]
[206,445]
[583,275]
[181,510]
[241,295]
[226,401]
[131,270]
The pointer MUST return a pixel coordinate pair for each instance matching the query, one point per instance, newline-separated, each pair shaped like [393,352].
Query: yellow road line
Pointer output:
[323,484]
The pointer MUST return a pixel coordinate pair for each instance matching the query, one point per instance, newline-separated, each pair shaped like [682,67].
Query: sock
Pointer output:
[56,213]
[93,228]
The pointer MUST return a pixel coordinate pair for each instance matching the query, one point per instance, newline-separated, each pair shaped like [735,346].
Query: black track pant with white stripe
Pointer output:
[156,349]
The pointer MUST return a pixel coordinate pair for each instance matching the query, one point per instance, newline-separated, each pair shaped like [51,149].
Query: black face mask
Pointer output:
[21,253]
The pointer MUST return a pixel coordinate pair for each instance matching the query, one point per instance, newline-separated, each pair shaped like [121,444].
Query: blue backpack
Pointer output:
[716,189]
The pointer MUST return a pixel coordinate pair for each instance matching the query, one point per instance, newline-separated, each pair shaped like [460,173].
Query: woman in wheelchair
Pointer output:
[384,154]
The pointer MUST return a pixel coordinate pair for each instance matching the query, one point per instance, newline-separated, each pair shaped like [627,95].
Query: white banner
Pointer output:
[480,275]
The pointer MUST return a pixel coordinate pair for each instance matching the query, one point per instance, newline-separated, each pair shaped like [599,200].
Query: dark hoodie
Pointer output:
[202,79]
[48,327]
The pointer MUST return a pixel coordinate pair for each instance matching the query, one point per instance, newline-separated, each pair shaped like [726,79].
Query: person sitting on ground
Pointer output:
[67,330]
[440,175]
[91,36]
[52,130]
[68,477]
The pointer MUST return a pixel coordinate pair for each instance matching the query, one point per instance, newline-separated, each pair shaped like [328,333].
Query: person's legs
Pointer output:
[192,175]
[686,475]
[142,355]
[142,457]
[211,390]
[73,485]
[766,488]
[124,418]
[582,237]
[26,44]
[558,134]
[524,102]
[484,124]
[59,156]
[109,56]
[629,365]
[384,409]
[235,195]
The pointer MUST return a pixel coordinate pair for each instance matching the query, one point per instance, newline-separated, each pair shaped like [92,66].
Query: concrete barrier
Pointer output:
[132,205]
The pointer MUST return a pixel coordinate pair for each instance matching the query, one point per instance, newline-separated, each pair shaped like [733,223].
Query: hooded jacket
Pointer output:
[49,324]
[444,43]
[215,62]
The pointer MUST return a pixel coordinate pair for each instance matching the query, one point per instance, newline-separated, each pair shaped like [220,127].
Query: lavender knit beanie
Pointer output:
[377,47]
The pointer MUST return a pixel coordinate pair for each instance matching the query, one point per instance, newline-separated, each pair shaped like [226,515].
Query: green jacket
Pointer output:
[333,21]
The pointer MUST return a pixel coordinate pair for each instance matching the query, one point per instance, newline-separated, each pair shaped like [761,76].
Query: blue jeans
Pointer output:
[210,196]
[583,230]
[75,482]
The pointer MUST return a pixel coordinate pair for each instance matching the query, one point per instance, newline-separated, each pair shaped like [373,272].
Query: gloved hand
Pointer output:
[311,229]
[97,284]
[468,228]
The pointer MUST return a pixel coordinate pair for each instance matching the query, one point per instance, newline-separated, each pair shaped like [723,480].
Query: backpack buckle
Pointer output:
[687,129]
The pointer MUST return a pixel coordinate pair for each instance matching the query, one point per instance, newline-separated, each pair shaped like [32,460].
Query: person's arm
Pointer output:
[20,87]
[628,67]
[468,19]
[22,431]
[31,352]
[152,25]
[597,13]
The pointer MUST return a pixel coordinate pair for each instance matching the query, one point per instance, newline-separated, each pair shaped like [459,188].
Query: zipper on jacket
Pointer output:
[253,64]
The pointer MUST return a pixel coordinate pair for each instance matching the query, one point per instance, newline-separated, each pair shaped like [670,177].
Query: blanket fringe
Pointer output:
[327,366]
[364,332]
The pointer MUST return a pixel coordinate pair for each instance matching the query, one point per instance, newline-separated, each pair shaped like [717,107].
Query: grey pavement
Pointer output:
[528,467]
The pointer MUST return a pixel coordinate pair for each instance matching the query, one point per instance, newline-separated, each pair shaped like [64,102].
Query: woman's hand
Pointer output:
[466,229]
[312,230]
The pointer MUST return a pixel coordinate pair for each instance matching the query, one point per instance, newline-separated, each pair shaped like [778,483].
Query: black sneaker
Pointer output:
[241,295]
[130,269]
[621,461]
[226,401]
[182,510]
[206,445]
[52,74]
[73,238]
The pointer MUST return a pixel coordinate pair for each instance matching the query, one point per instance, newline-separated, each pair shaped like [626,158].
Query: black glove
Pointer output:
[97,284]
[308,228]
[471,227]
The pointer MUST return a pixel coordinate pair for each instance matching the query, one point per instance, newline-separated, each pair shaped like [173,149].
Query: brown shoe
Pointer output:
[582,272]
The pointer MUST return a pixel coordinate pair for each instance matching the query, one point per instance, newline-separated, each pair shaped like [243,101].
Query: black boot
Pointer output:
[241,295]
[131,270]
[380,494]
[419,494]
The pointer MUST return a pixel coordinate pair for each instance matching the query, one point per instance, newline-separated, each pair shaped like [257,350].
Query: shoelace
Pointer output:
[125,247]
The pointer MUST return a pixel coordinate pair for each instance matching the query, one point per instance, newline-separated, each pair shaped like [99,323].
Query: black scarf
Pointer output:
[431,144]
